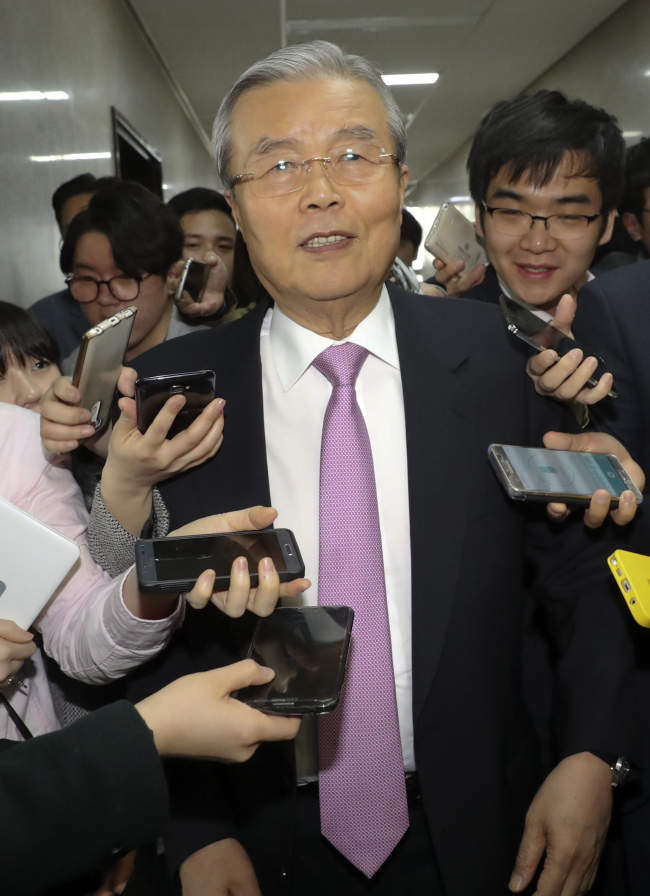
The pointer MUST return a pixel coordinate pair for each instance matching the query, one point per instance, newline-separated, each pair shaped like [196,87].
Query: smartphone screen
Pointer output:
[186,558]
[563,472]
[307,649]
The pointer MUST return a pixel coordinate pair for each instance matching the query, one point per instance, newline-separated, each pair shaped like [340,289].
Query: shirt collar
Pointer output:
[294,347]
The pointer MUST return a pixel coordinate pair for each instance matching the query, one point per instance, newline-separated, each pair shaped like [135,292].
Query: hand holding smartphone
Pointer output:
[543,474]
[172,565]
[151,393]
[193,281]
[540,335]
[307,648]
[453,236]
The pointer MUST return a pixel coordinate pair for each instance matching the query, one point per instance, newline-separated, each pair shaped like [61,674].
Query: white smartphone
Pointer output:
[34,560]
[453,236]
[99,363]
[543,474]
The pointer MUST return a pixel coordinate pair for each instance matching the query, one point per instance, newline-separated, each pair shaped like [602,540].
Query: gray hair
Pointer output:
[316,59]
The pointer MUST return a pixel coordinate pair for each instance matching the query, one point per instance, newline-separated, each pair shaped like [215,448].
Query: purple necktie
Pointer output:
[363,806]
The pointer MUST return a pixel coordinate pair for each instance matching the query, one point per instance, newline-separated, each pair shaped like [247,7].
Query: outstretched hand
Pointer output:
[599,443]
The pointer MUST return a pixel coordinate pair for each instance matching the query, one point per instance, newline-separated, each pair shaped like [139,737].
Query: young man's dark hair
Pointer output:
[199,199]
[145,235]
[83,183]
[410,229]
[530,135]
[637,178]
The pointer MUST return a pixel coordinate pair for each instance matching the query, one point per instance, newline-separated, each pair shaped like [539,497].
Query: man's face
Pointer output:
[93,257]
[536,267]
[639,228]
[305,120]
[209,231]
[71,208]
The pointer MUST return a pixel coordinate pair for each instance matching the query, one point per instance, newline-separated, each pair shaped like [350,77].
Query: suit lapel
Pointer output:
[439,414]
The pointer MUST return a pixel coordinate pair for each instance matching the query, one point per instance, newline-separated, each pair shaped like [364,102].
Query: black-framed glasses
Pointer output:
[122,288]
[347,165]
[513,222]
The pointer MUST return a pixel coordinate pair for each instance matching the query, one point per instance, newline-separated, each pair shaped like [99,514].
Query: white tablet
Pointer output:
[34,560]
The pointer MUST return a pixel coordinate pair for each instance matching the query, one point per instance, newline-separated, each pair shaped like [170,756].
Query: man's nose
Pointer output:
[319,189]
[537,238]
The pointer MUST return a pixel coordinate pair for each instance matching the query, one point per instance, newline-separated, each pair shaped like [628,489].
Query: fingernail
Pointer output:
[267,565]
[219,406]
[88,431]
[601,499]
[575,354]
[628,498]
[70,446]
[241,565]
[515,882]
[592,362]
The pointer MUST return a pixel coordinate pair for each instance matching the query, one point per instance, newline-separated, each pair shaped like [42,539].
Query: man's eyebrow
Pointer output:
[200,236]
[266,145]
[572,199]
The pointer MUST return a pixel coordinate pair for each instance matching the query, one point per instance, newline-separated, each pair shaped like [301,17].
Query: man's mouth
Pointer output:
[536,270]
[324,239]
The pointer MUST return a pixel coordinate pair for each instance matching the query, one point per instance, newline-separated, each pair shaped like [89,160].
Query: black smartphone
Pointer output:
[174,564]
[307,648]
[193,280]
[151,393]
[545,474]
[540,335]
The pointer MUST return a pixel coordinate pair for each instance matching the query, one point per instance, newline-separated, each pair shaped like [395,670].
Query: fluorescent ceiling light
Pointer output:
[72,157]
[647,74]
[33,95]
[630,134]
[402,80]
[460,199]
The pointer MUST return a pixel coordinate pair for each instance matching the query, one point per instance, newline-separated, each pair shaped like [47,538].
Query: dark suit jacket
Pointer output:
[472,551]
[73,798]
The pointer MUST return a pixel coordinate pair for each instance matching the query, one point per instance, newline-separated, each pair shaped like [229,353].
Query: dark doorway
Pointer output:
[135,159]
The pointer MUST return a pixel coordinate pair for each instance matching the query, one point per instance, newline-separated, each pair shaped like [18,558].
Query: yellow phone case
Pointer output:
[632,573]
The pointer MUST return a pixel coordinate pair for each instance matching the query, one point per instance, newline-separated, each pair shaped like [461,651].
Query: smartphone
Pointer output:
[174,564]
[307,647]
[453,236]
[99,363]
[543,474]
[632,574]
[194,279]
[540,335]
[35,559]
[151,393]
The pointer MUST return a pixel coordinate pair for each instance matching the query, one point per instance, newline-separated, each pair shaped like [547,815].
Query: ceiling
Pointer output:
[484,50]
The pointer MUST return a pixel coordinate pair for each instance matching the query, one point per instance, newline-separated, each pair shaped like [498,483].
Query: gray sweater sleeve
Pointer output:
[112,546]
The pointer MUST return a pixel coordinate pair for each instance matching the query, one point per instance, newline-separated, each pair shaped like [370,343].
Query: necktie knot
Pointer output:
[341,363]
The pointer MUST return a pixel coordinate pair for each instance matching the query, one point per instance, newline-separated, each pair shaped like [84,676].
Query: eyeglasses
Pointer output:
[348,165]
[122,288]
[512,222]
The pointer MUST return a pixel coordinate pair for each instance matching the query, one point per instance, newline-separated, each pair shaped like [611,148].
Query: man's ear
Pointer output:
[232,202]
[609,226]
[478,213]
[631,223]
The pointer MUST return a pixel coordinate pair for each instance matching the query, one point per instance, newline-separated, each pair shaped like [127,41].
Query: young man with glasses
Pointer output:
[546,175]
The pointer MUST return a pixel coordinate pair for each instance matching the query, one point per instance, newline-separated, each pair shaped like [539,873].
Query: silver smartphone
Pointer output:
[99,363]
[193,280]
[543,474]
[540,335]
[453,236]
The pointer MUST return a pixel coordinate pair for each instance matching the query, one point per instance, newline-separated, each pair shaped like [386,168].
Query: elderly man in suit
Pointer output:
[364,413]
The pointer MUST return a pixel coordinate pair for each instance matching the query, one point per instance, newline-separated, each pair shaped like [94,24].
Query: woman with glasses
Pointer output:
[118,252]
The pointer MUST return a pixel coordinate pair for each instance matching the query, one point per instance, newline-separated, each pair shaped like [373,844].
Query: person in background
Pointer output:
[634,208]
[546,176]
[29,358]
[210,231]
[59,312]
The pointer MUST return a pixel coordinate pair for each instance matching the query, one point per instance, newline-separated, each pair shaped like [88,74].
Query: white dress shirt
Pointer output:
[295,399]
